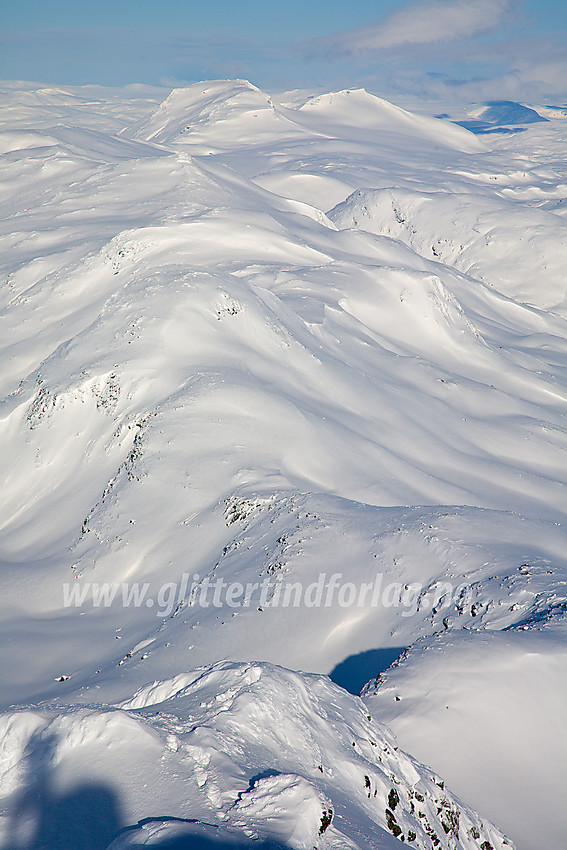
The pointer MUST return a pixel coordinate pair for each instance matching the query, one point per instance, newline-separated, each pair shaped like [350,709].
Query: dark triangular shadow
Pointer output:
[356,670]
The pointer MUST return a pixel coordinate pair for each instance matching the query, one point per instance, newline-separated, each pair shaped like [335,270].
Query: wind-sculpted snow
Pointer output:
[253,751]
[492,239]
[309,348]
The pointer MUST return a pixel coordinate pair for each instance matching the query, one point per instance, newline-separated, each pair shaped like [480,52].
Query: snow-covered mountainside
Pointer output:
[252,750]
[283,398]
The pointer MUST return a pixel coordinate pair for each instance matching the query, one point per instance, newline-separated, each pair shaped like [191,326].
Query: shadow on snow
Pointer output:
[356,670]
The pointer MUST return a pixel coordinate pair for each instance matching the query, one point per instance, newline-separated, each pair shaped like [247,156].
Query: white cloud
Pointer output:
[533,70]
[527,76]
[421,23]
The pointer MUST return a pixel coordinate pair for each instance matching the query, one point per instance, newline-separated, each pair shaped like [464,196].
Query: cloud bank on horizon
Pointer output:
[466,50]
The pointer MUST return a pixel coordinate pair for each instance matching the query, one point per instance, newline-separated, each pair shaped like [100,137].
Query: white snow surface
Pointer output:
[256,751]
[259,339]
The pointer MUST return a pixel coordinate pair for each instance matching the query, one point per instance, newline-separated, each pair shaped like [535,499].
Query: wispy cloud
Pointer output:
[419,23]
[528,70]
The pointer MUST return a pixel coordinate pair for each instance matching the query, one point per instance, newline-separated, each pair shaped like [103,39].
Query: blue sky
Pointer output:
[458,49]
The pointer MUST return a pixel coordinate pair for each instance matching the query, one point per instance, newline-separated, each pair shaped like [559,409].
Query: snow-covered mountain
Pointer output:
[283,389]
[253,751]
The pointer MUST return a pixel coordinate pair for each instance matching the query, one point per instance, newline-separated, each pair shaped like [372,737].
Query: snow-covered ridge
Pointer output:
[234,114]
[256,751]
[479,235]
[246,339]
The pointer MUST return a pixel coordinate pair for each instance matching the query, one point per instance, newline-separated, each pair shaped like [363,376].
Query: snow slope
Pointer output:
[253,750]
[250,339]
[484,237]
[474,681]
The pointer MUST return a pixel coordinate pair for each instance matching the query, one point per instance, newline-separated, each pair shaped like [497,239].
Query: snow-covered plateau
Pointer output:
[282,414]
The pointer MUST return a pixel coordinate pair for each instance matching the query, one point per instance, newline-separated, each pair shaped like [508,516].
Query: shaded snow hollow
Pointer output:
[251,339]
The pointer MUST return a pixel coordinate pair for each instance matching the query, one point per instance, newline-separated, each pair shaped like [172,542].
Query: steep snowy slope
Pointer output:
[453,701]
[313,352]
[258,750]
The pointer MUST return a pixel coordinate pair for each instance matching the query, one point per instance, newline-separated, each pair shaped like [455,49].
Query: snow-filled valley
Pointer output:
[282,415]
